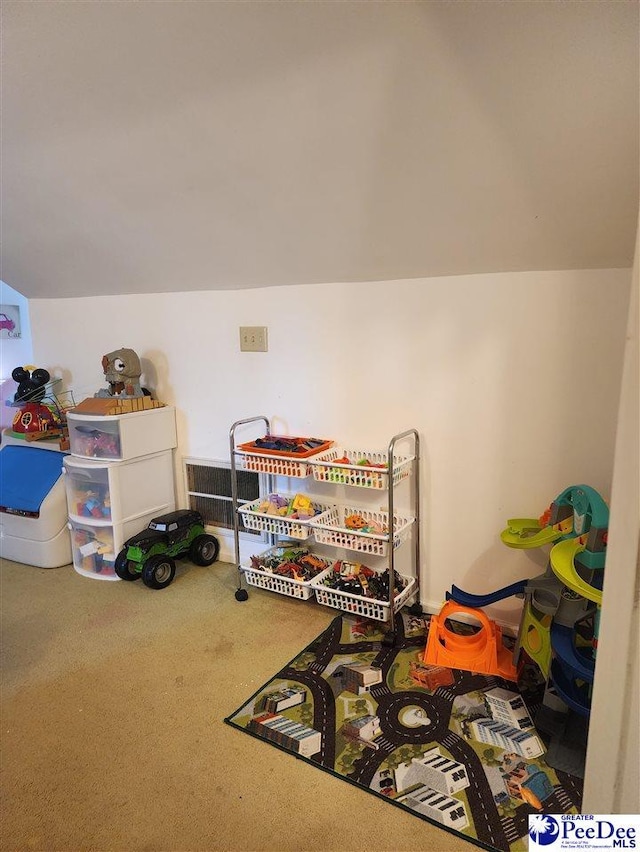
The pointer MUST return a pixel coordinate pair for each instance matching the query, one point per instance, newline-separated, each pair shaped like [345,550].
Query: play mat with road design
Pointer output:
[456,749]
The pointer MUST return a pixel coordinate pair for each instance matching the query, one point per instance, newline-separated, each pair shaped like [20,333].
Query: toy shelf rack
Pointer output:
[341,467]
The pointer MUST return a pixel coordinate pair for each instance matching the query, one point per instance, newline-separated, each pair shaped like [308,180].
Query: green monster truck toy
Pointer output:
[150,553]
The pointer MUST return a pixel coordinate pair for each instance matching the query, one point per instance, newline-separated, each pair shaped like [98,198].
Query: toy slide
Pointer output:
[562,642]
[481,652]
[525,533]
[467,599]
[562,562]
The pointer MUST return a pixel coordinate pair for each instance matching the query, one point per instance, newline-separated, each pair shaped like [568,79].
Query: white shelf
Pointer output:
[364,468]
[373,470]
[360,605]
[330,528]
[280,525]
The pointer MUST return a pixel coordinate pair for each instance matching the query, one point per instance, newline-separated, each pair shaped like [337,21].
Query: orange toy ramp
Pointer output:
[481,653]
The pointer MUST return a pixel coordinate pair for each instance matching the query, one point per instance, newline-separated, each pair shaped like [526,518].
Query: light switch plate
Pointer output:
[253,338]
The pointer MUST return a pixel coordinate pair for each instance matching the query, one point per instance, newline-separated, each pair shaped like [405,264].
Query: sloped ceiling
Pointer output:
[168,146]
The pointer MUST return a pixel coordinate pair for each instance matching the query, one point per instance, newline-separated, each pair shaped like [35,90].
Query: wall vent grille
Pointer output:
[208,489]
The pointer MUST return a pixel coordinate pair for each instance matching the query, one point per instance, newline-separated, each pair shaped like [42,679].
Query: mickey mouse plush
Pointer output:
[31,386]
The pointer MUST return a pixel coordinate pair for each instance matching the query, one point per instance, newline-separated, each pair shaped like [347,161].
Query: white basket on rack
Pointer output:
[281,585]
[358,604]
[278,524]
[275,465]
[329,528]
[325,468]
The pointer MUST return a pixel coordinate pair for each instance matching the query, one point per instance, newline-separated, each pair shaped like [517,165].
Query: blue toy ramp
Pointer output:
[27,475]
[566,651]
[574,695]
[467,599]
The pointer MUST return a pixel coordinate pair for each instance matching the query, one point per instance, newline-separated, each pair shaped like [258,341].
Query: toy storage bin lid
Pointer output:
[27,475]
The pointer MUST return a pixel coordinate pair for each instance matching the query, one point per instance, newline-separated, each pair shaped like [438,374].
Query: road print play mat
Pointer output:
[454,748]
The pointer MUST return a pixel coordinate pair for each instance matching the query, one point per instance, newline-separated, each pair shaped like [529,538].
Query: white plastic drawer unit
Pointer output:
[94,550]
[94,547]
[102,492]
[120,437]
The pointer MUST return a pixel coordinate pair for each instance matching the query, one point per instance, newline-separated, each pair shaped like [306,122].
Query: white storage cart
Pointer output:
[356,469]
[118,477]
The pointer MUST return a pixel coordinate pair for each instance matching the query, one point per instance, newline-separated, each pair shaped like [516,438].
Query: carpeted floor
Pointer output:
[456,748]
[113,701]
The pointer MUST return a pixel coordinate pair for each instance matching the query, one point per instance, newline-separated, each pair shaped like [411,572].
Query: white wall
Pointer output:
[14,352]
[612,779]
[512,381]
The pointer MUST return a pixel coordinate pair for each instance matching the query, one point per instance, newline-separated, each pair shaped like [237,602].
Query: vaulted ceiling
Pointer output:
[169,146]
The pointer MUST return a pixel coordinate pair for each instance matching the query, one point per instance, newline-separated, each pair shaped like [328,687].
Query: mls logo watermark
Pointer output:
[583,831]
[543,831]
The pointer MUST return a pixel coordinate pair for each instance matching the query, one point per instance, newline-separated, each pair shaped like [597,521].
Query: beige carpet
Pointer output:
[113,698]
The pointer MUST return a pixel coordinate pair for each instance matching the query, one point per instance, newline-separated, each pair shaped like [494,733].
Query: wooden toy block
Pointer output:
[109,406]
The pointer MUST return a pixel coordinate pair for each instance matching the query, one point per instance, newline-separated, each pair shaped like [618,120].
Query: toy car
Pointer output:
[6,322]
[149,554]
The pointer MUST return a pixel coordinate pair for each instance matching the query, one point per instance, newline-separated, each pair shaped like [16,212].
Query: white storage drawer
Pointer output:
[88,491]
[121,437]
[95,546]
[94,550]
[99,491]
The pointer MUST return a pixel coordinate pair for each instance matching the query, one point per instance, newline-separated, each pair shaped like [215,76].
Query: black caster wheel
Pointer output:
[242,594]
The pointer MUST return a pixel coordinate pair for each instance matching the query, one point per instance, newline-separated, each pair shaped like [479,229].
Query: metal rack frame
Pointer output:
[241,593]
[415,476]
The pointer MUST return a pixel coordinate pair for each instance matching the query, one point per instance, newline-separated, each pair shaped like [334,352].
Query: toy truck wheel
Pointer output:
[204,550]
[158,572]
[124,567]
